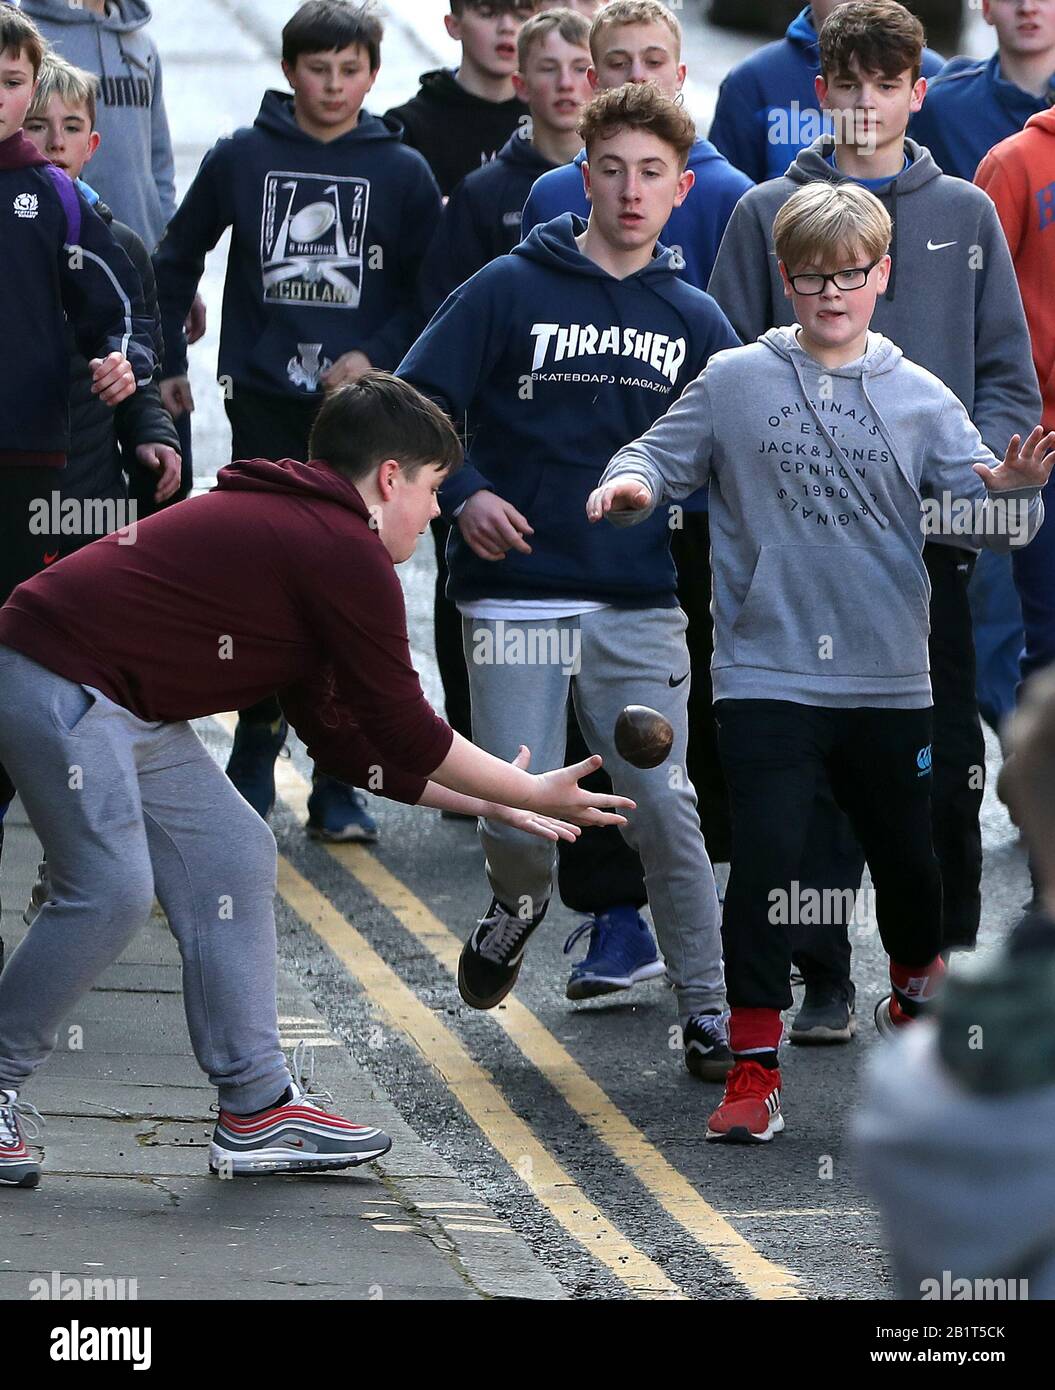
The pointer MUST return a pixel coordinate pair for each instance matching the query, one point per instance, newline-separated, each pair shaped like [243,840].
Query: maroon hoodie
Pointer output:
[274,581]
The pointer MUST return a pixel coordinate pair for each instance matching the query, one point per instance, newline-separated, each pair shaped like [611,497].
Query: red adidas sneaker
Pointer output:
[890,1017]
[750,1109]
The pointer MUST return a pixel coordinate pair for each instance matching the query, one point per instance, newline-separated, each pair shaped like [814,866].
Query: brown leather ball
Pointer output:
[642,736]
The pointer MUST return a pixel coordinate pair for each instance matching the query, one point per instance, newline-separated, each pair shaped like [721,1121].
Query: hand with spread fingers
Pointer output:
[1024,465]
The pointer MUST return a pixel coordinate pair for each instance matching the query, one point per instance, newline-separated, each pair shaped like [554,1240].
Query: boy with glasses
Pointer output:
[828,457]
[951,303]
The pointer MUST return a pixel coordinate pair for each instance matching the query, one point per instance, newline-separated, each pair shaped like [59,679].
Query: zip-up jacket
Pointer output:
[58,261]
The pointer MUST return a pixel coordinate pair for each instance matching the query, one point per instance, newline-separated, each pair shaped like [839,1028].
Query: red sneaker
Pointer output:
[890,1017]
[750,1109]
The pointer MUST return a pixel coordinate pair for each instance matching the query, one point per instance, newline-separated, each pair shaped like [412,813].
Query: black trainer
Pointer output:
[827,1014]
[491,959]
[706,1041]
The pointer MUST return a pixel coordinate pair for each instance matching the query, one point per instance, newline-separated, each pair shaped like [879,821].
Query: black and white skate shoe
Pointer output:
[491,959]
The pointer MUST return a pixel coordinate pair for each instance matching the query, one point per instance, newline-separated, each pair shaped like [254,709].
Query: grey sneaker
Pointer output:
[827,1014]
[298,1136]
[18,1168]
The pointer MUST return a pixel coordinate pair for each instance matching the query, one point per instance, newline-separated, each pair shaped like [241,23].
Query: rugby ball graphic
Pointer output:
[312,222]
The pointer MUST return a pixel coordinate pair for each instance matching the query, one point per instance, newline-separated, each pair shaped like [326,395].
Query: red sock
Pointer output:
[754,1031]
[918,983]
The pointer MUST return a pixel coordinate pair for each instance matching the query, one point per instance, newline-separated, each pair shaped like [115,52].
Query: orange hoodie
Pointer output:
[1019,176]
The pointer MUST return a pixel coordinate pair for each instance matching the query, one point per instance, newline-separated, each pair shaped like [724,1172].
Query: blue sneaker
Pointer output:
[622,952]
[338,812]
[251,766]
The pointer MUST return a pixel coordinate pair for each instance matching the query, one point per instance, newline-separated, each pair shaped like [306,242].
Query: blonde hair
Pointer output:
[620,12]
[72,85]
[824,220]
[570,25]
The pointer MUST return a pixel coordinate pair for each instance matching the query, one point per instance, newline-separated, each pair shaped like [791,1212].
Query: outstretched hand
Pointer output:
[558,794]
[1024,465]
[626,495]
[532,822]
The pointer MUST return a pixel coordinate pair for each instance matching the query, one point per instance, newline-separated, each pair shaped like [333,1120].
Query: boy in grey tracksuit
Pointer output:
[829,457]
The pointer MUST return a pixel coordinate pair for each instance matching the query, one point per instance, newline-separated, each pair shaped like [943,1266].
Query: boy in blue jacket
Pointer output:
[331,215]
[829,458]
[556,353]
[61,269]
[767,109]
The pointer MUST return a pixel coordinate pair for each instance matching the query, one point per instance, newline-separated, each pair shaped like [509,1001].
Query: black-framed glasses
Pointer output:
[853,278]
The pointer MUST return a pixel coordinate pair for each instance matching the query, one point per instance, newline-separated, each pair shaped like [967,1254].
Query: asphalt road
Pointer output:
[599,1085]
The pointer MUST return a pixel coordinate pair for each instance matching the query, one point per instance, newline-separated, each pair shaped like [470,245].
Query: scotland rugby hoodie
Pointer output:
[326,245]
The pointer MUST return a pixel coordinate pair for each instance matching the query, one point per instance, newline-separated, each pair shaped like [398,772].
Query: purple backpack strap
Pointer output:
[70,202]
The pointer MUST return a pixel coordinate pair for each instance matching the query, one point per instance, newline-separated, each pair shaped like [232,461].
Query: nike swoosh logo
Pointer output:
[50,559]
[672,682]
[939,246]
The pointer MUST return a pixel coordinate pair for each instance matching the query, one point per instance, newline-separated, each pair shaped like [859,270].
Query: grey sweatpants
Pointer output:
[125,809]
[520,677]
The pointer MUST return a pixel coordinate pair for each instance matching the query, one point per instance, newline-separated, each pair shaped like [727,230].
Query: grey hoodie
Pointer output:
[952,305]
[133,170]
[822,485]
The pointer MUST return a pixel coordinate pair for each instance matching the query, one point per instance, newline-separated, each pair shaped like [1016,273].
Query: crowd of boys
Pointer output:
[723,425]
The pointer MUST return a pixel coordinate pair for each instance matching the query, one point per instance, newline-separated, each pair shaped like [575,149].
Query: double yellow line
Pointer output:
[484,1103]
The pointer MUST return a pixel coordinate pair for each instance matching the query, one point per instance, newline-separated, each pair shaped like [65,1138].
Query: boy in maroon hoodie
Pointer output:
[218,607]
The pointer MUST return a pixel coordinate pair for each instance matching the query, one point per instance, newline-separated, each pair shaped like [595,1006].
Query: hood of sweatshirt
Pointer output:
[521,153]
[1043,120]
[812,164]
[122,16]
[19,152]
[553,244]
[439,86]
[803,35]
[314,479]
[276,117]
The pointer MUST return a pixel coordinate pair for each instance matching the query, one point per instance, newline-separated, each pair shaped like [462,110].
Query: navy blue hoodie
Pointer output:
[326,246]
[767,105]
[58,262]
[481,219]
[557,364]
[968,109]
